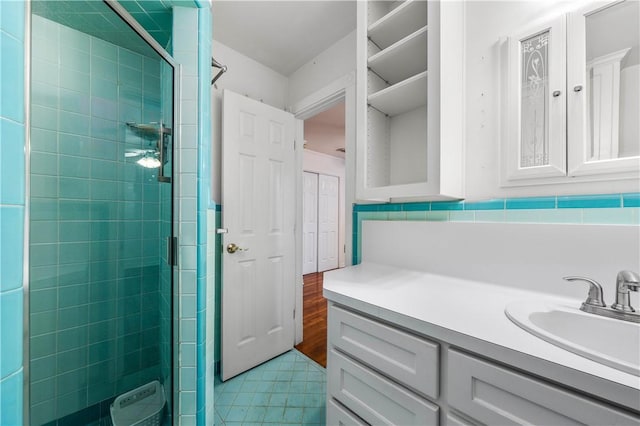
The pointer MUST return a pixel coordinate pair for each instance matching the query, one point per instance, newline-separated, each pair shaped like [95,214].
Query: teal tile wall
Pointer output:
[205,362]
[190,25]
[12,208]
[602,209]
[97,218]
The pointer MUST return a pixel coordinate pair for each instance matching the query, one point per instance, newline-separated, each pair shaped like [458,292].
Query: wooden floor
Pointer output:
[314,320]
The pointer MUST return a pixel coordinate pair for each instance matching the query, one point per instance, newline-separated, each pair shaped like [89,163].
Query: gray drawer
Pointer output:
[495,395]
[337,415]
[410,360]
[373,397]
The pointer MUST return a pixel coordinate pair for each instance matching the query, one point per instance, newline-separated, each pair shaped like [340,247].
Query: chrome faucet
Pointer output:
[626,281]
[595,293]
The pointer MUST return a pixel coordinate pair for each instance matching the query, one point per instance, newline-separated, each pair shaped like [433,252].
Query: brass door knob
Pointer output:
[233,247]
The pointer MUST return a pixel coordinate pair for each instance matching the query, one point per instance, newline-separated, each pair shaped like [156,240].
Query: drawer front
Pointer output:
[410,360]
[337,415]
[374,398]
[495,395]
[452,420]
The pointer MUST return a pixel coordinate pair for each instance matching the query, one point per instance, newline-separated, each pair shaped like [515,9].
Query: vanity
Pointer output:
[417,333]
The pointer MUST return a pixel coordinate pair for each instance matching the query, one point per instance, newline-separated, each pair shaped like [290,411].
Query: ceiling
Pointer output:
[324,132]
[283,35]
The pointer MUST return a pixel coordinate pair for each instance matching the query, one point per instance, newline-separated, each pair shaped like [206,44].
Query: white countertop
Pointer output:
[428,303]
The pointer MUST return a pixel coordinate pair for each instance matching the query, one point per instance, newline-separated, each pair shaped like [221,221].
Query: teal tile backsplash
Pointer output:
[590,201]
[605,209]
[631,200]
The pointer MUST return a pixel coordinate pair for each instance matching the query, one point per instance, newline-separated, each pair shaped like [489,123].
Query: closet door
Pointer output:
[310,223]
[328,193]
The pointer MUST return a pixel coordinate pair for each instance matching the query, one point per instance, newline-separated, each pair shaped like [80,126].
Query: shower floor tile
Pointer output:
[289,389]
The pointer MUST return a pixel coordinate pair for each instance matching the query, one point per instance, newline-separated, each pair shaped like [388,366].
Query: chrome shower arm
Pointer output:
[223,69]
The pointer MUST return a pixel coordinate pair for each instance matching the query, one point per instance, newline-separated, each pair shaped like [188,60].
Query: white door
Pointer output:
[327,222]
[258,267]
[309,223]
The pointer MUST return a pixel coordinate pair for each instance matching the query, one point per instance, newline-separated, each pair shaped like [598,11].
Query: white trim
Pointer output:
[299,283]
[323,99]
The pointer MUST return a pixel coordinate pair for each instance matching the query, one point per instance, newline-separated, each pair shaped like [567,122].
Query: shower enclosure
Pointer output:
[100,215]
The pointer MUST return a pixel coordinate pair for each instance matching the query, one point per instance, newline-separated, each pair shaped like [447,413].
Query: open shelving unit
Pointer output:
[397,79]
[402,16]
[401,97]
[409,137]
[410,52]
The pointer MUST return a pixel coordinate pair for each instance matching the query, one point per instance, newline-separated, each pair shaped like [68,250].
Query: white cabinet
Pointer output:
[373,397]
[572,97]
[337,415]
[410,100]
[495,395]
[409,359]
[378,373]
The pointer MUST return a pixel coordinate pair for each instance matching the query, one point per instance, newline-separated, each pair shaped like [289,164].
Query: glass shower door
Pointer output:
[100,291]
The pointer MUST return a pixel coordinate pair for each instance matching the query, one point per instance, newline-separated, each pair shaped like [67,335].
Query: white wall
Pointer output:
[317,162]
[247,77]
[486,22]
[337,61]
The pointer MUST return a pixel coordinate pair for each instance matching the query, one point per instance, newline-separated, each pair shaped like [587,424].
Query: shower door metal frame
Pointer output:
[26,354]
[122,13]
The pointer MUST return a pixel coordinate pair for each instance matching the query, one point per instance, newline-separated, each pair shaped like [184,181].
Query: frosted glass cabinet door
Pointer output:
[603,85]
[536,102]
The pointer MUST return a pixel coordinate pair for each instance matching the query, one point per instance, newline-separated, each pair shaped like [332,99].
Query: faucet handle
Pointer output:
[595,297]
[625,281]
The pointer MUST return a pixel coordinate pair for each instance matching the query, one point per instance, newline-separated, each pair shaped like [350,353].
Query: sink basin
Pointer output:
[611,342]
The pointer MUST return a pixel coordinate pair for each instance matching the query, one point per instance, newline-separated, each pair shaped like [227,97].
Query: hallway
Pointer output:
[314,321]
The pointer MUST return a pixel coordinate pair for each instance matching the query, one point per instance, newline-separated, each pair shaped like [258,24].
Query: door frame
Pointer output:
[341,90]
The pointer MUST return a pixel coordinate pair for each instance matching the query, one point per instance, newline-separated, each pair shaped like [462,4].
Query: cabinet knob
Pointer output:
[556,93]
[578,88]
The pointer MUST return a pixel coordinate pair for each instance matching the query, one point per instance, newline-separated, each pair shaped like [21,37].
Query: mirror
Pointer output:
[613,78]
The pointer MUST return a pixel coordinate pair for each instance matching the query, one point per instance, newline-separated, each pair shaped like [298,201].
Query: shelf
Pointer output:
[401,97]
[148,130]
[403,59]
[400,22]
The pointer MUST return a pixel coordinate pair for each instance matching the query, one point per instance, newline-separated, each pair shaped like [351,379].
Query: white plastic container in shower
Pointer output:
[142,406]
